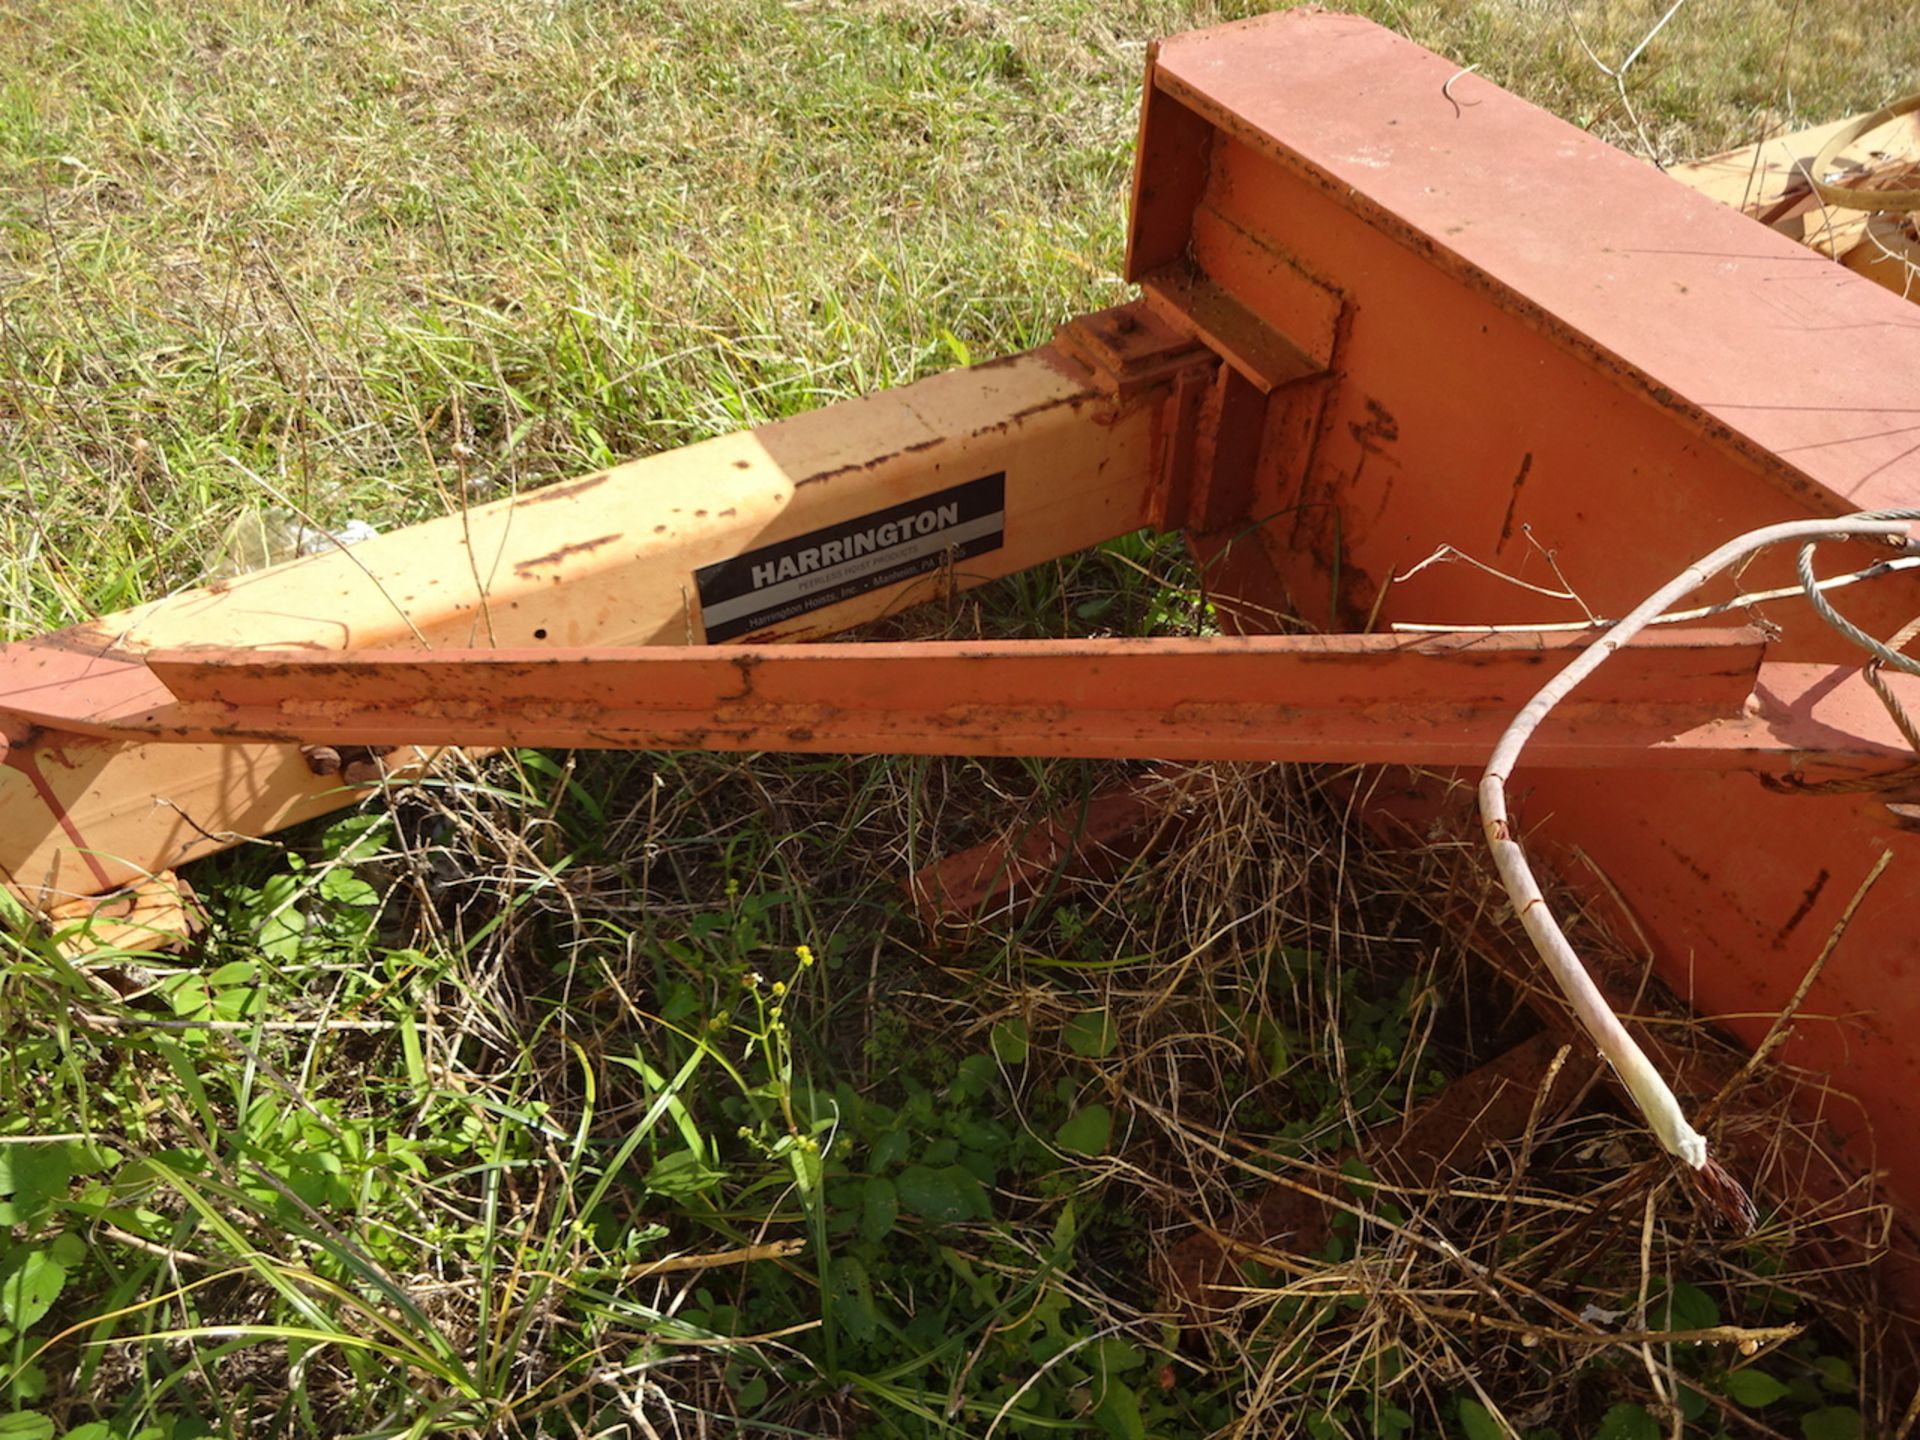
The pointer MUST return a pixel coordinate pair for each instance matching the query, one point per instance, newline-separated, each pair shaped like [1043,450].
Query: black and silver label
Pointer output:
[868,552]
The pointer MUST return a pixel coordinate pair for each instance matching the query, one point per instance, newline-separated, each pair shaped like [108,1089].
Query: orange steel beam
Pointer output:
[1030,458]
[1696,699]
[1539,344]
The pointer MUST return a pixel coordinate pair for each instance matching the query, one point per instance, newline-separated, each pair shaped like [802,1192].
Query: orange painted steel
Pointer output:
[1011,874]
[608,559]
[1690,699]
[1540,344]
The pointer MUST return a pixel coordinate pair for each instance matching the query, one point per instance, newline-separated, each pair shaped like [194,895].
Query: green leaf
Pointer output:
[35,1174]
[853,1309]
[941,1152]
[659,1085]
[1478,1422]
[1627,1422]
[1836,1374]
[1832,1422]
[752,1395]
[189,995]
[414,1056]
[1091,1034]
[1087,1131]
[682,1174]
[280,934]
[25,1425]
[1275,1046]
[28,1383]
[931,1193]
[956,347]
[1066,1227]
[972,1078]
[1689,1308]
[353,835]
[85,1157]
[1119,1413]
[35,1167]
[1754,1388]
[236,1004]
[343,887]
[879,1209]
[1693,1404]
[30,1288]
[1009,1041]
[943,1195]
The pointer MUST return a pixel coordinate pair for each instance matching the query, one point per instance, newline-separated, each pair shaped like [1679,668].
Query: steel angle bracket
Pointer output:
[1698,699]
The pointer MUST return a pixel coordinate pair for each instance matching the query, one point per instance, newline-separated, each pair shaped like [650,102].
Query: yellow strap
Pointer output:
[1849,199]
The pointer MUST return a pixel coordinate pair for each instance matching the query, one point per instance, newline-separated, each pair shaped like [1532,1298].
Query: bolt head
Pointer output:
[321,759]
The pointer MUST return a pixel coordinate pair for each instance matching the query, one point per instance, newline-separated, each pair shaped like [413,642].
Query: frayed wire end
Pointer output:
[1723,1197]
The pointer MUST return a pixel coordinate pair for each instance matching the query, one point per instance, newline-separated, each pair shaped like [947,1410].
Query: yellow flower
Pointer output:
[805,952]
[779,988]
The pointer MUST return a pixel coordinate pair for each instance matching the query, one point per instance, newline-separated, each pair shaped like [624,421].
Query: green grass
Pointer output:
[490,1059]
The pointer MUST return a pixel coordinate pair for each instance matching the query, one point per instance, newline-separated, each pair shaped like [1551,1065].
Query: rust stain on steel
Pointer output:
[524,568]
[106,680]
[1513,502]
[1575,270]
[1377,431]
[745,664]
[565,491]
[1805,907]
[1005,424]
[861,467]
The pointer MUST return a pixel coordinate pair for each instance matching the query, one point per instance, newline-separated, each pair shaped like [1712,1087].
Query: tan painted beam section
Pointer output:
[604,560]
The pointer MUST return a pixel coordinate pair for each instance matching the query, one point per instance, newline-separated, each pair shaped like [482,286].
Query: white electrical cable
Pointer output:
[1650,1092]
